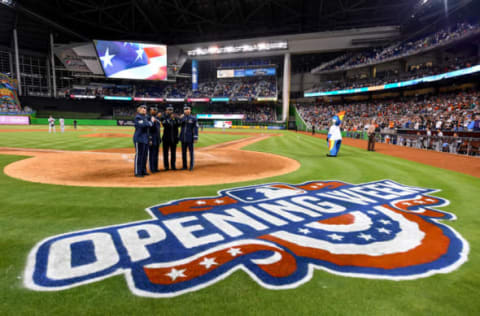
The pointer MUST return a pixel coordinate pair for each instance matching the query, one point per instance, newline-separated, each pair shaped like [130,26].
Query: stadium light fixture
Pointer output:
[8,3]
[244,48]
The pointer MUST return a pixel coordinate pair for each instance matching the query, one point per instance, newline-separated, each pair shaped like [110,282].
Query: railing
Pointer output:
[451,144]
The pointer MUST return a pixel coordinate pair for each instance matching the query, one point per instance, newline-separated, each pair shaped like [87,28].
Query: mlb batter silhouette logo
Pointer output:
[277,233]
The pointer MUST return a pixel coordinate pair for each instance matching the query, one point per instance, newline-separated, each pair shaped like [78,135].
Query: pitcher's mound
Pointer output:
[217,164]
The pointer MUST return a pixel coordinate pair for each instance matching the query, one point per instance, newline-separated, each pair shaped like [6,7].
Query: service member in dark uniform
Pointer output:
[154,141]
[188,135]
[140,139]
[170,137]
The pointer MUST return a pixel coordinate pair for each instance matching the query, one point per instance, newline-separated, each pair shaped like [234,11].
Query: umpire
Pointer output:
[140,139]
[188,135]
[170,137]
[154,141]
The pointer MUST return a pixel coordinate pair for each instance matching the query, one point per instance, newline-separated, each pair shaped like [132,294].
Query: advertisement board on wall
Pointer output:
[14,120]
[220,116]
[222,124]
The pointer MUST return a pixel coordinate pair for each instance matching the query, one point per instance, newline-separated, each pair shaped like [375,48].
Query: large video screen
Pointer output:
[249,72]
[128,60]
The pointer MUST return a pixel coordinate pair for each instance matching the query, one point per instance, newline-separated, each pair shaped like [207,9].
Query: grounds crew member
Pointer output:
[371,136]
[170,137]
[140,139]
[154,141]
[188,135]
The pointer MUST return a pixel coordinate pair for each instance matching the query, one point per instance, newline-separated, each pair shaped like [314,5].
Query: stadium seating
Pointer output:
[446,112]
[401,49]
[229,88]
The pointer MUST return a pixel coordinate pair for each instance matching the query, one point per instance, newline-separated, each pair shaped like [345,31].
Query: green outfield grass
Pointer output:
[72,140]
[30,212]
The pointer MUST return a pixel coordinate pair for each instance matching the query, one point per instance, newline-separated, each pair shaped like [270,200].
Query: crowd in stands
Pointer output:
[249,88]
[401,49]
[444,112]
[8,107]
[99,90]
[391,76]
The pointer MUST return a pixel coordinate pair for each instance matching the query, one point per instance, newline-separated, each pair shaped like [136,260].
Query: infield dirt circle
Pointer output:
[216,164]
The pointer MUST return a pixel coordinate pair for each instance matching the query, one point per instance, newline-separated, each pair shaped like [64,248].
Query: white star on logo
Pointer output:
[430,200]
[174,274]
[335,237]
[201,202]
[419,202]
[384,230]
[219,201]
[314,186]
[372,212]
[139,54]
[407,203]
[234,251]
[385,222]
[305,231]
[208,262]
[367,237]
[107,59]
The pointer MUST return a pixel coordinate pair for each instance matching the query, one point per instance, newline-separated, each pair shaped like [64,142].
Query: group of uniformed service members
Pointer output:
[147,138]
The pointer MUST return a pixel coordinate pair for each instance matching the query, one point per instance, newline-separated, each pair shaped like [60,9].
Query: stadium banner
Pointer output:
[194,75]
[241,99]
[220,99]
[148,99]
[198,99]
[267,99]
[117,98]
[175,99]
[447,75]
[249,72]
[222,124]
[82,96]
[220,116]
[14,120]
[129,60]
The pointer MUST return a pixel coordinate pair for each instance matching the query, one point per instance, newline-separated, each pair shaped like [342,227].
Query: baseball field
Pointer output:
[48,188]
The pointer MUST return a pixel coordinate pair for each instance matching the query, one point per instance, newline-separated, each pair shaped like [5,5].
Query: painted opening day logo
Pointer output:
[277,233]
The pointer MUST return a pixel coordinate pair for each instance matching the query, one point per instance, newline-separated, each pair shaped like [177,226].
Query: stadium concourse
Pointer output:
[333,148]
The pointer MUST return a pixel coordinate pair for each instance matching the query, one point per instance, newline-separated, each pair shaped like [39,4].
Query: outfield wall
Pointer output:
[80,122]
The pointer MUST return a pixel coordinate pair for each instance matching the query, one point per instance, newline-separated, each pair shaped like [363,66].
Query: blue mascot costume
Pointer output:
[334,137]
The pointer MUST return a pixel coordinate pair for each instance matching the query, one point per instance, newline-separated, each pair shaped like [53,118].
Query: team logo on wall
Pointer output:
[277,233]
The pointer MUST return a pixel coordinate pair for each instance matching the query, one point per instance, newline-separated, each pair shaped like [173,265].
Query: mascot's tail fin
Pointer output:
[341,115]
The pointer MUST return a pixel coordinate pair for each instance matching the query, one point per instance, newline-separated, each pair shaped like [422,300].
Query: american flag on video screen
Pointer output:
[133,60]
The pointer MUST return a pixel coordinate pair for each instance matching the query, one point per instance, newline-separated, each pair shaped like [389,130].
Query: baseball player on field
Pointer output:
[62,124]
[51,124]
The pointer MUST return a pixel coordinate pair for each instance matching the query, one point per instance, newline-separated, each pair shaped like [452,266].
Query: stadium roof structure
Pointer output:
[188,21]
